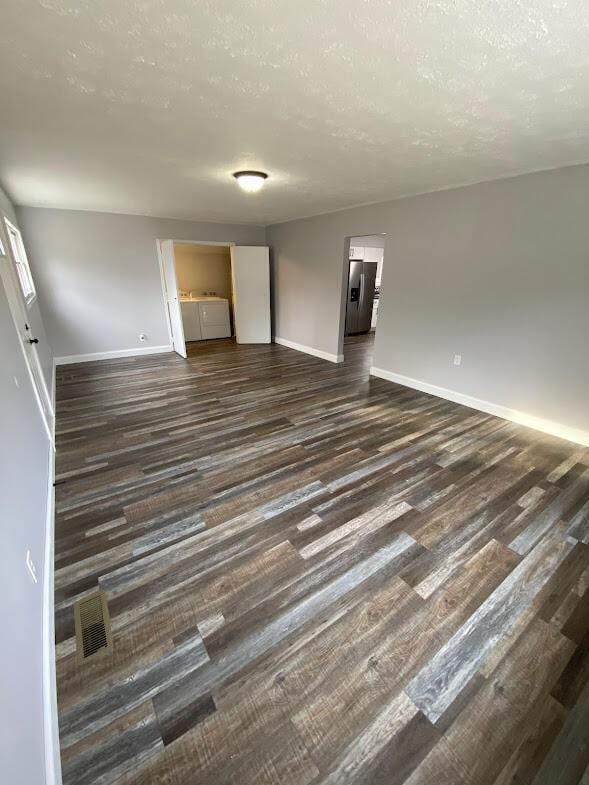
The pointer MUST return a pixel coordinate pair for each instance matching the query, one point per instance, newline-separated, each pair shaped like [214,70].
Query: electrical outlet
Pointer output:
[31,567]
[142,337]
[457,359]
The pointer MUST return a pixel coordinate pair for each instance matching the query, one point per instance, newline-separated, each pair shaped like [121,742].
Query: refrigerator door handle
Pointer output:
[361,296]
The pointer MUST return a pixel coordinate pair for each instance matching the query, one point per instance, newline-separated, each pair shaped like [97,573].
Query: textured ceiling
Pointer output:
[148,106]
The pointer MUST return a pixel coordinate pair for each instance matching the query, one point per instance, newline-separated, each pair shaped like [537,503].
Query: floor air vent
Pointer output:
[93,635]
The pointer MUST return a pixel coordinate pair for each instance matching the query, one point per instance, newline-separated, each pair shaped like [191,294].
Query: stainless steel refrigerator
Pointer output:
[361,283]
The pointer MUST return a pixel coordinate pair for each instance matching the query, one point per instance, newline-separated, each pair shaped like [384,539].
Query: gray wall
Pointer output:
[497,272]
[24,475]
[98,275]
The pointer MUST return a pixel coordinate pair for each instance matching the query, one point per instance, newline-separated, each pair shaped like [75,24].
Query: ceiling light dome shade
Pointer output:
[251,181]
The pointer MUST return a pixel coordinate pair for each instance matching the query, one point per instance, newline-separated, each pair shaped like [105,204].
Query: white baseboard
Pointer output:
[84,358]
[529,420]
[300,347]
[50,717]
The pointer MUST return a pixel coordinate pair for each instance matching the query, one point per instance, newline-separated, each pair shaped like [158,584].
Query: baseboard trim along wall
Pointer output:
[84,358]
[529,420]
[50,716]
[300,347]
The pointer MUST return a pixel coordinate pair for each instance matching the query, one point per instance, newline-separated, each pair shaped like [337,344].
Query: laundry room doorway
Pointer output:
[215,290]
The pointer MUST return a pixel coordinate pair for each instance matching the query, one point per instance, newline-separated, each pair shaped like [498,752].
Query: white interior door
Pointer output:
[171,295]
[28,341]
[250,272]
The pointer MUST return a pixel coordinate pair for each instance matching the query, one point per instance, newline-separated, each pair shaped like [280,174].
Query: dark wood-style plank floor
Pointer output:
[315,577]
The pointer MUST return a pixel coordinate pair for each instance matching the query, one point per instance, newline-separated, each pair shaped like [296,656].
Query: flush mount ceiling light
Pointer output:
[250,181]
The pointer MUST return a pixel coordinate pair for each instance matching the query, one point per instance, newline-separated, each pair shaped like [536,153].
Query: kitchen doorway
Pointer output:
[361,290]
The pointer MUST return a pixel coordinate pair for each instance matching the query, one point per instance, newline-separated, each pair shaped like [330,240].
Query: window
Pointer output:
[21,262]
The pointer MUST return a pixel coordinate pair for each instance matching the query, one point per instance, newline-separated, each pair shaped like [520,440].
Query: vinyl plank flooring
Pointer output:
[314,577]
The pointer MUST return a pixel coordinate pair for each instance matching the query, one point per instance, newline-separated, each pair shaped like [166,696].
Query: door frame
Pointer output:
[158,245]
[344,284]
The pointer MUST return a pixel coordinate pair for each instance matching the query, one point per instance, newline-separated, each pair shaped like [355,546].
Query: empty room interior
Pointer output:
[294,313]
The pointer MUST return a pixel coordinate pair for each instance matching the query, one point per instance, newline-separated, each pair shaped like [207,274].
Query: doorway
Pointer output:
[203,273]
[361,290]
[215,290]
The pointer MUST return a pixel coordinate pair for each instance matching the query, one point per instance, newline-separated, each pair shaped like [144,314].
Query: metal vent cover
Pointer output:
[92,620]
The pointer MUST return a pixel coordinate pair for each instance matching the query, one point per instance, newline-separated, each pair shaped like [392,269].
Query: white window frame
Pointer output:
[21,263]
